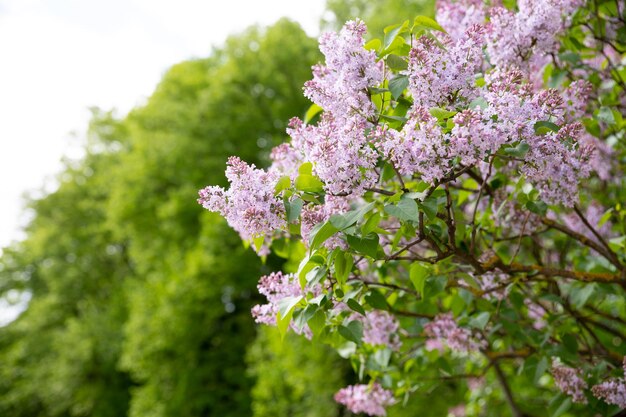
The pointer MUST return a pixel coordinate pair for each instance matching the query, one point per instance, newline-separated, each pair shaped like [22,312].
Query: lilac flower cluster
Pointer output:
[569,381]
[339,151]
[444,330]
[418,149]
[442,77]
[555,162]
[249,205]
[522,39]
[275,287]
[367,399]
[456,17]
[380,329]
[340,87]
[612,391]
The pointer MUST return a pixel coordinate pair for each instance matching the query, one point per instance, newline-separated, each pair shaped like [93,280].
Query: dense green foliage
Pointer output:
[140,301]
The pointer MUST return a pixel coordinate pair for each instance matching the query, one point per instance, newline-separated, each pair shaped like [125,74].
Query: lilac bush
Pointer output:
[456,208]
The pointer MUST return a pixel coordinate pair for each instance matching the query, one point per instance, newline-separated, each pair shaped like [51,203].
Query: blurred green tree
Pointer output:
[140,300]
[376,14]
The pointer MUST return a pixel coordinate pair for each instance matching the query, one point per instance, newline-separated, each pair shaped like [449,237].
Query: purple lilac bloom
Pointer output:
[444,330]
[367,399]
[380,329]
[249,205]
[569,381]
[612,391]
[340,87]
[341,155]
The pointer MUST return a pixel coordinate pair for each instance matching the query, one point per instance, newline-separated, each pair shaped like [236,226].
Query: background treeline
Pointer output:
[140,299]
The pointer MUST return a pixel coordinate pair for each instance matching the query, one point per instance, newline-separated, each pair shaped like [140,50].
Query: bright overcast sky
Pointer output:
[59,57]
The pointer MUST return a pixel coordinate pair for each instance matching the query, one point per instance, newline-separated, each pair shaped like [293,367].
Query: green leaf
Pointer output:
[382,357]
[287,304]
[283,183]
[371,224]
[559,405]
[354,305]
[480,320]
[542,127]
[309,183]
[581,295]
[285,312]
[376,300]
[317,322]
[345,220]
[373,45]
[537,207]
[343,266]
[321,233]
[542,367]
[258,242]
[418,275]
[440,113]
[427,22]
[406,210]
[353,331]
[367,245]
[429,207]
[606,115]
[393,118]
[392,32]
[313,111]
[397,85]
[293,209]
[435,285]
[306,168]
[316,275]
[570,343]
[396,63]
[480,102]
[519,151]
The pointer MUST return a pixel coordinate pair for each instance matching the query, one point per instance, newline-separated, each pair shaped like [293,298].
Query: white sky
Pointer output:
[59,57]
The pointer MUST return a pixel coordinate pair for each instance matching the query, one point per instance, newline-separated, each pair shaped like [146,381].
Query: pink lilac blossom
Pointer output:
[536,313]
[444,330]
[457,16]
[340,87]
[492,285]
[276,287]
[524,39]
[341,155]
[362,398]
[612,391]
[457,411]
[249,205]
[602,159]
[443,77]
[286,160]
[555,162]
[474,136]
[575,98]
[380,329]
[555,167]
[418,149]
[569,381]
